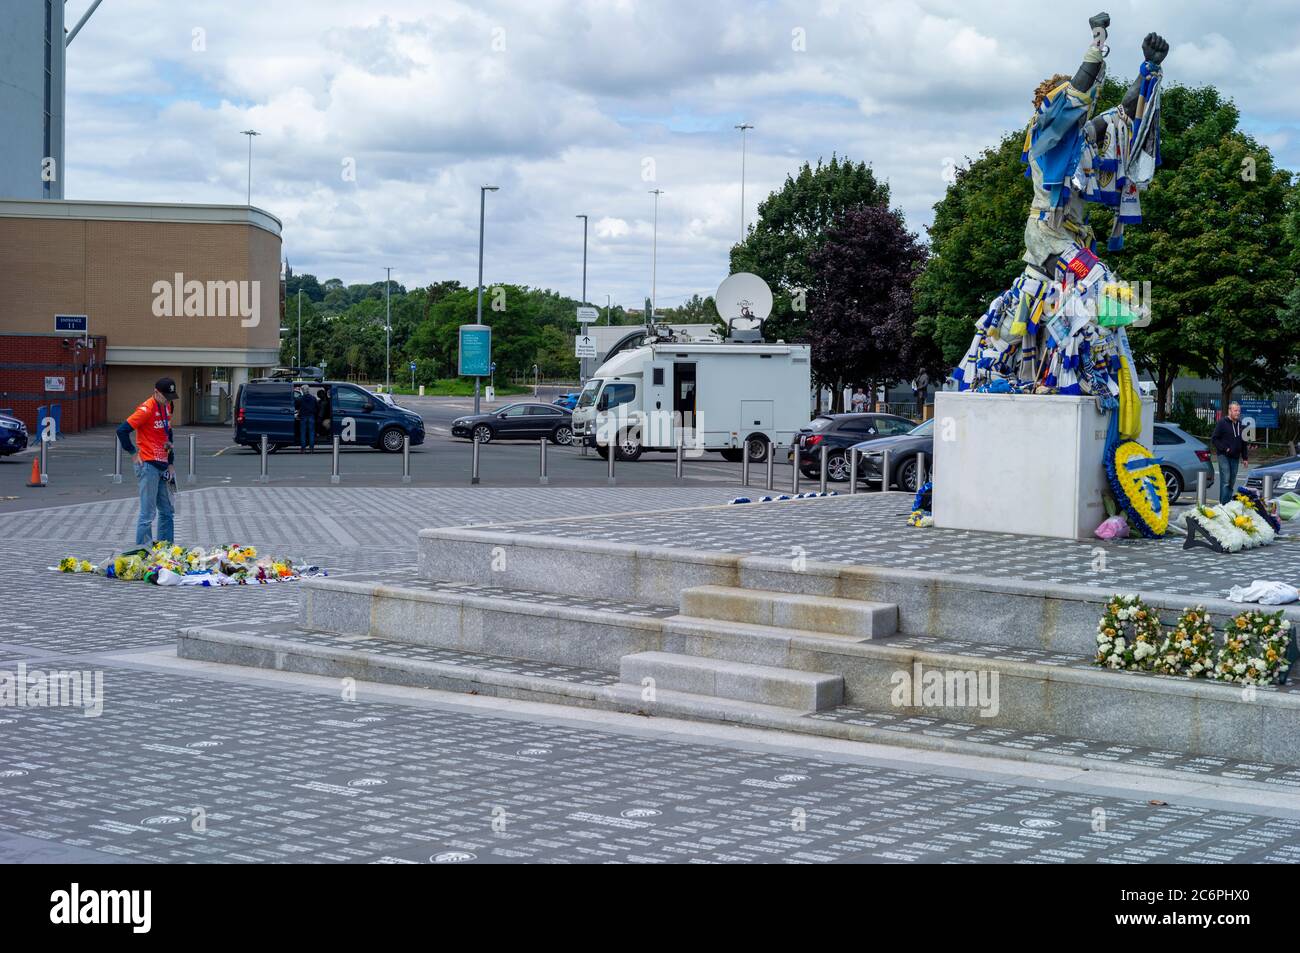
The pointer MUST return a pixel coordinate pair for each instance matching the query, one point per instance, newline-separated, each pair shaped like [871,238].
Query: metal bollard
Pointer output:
[744,463]
[117,461]
[612,451]
[261,478]
[884,471]
[334,471]
[771,462]
[854,454]
[822,482]
[679,468]
[542,478]
[45,470]
[794,477]
[1200,488]
[190,477]
[920,470]
[406,458]
[1268,488]
[473,464]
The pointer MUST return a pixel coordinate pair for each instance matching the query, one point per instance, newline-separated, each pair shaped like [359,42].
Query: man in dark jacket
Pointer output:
[1231,449]
[306,407]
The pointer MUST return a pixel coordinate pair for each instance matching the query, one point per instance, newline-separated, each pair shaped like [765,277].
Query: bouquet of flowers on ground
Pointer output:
[1128,635]
[1188,648]
[1249,498]
[167,564]
[1254,651]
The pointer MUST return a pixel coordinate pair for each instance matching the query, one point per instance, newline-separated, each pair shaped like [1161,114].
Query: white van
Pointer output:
[713,395]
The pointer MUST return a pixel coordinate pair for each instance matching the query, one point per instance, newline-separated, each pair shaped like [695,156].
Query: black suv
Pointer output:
[839,432]
[265,406]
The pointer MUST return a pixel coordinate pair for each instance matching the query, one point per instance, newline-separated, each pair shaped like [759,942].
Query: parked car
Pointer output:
[567,401]
[13,435]
[1285,474]
[265,406]
[1182,456]
[839,432]
[523,421]
[904,460]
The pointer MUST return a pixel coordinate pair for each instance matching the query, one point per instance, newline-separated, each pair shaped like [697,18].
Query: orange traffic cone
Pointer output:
[36,473]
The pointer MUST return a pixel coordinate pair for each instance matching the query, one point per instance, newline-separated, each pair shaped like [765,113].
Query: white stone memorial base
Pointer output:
[1019,463]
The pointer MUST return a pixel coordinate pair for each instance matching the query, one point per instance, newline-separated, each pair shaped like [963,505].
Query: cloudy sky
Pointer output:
[381,119]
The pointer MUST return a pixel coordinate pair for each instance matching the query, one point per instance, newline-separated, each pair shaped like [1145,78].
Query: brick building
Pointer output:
[191,292]
[55,375]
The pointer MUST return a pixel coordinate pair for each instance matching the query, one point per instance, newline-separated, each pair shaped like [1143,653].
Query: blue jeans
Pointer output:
[1227,477]
[307,432]
[155,498]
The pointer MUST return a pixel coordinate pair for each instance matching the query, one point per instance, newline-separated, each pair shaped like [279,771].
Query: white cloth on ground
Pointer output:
[1265,592]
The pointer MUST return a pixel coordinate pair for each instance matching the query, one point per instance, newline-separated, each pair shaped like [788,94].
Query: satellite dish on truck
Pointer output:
[744,301]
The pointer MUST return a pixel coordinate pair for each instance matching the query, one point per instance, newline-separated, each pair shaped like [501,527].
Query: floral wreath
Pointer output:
[1255,649]
[1188,649]
[1128,635]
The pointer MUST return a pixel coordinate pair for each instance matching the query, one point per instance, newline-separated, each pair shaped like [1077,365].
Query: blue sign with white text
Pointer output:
[1263,412]
[475,350]
[77,323]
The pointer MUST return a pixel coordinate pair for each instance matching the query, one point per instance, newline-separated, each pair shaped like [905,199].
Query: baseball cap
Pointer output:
[167,387]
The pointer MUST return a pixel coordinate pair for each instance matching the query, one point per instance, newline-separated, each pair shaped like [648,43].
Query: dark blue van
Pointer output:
[266,407]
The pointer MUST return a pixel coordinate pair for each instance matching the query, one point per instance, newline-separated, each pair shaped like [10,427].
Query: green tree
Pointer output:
[792,224]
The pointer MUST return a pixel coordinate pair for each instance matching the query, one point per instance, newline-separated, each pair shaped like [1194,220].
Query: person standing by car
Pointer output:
[859,402]
[152,424]
[306,406]
[1231,449]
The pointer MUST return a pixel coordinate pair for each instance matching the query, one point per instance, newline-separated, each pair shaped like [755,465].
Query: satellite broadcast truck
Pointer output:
[662,386]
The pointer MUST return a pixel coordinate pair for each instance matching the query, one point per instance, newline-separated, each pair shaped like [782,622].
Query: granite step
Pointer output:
[825,615]
[578,631]
[760,684]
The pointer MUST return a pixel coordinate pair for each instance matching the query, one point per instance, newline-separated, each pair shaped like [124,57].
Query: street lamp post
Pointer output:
[654,258]
[744,127]
[584,257]
[299,359]
[388,331]
[250,133]
[482,207]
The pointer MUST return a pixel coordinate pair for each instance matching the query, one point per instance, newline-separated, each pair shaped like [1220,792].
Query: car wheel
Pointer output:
[732,456]
[273,448]
[602,452]
[629,445]
[1173,483]
[391,440]
[905,476]
[837,468]
[563,436]
[810,474]
[757,448]
[482,434]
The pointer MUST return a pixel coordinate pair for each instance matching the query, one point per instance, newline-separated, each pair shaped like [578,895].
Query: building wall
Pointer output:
[26,361]
[109,270]
[129,385]
[24,98]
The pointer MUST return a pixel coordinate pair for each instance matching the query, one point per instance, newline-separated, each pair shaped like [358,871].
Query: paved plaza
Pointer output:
[198,762]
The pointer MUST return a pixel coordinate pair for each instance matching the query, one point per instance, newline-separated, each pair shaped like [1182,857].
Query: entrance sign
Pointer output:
[584,346]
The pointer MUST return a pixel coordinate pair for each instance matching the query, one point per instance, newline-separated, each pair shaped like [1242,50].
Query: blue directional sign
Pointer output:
[75,323]
[1263,412]
[413,365]
[475,350]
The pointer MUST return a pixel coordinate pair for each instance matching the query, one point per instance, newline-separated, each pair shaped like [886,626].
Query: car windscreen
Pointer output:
[923,430]
[588,395]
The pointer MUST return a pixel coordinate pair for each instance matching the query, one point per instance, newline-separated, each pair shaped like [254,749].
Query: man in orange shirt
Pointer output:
[152,424]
